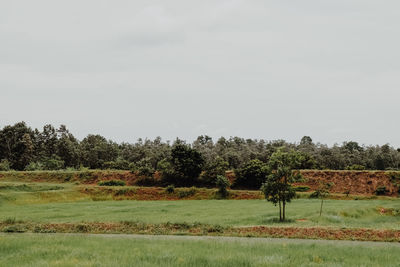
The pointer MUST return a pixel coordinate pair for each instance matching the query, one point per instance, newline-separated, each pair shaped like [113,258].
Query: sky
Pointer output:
[251,68]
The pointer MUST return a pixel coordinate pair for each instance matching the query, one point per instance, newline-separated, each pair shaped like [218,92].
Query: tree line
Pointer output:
[51,148]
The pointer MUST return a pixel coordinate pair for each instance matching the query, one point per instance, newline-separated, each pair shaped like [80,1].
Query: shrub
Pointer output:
[45,164]
[53,164]
[222,184]
[214,229]
[184,166]
[170,189]
[355,167]
[252,175]
[34,166]
[4,165]
[112,183]
[381,190]
[347,192]
[143,167]
[124,191]
[212,169]
[301,188]
[314,194]
[10,220]
[118,164]
[187,192]
[14,229]
[82,228]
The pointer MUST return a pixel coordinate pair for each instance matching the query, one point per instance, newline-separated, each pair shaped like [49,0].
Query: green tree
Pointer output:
[95,150]
[252,174]
[222,184]
[212,169]
[46,142]
[17,145]
[67,147]
[143,167]
[277,187]
[185,166]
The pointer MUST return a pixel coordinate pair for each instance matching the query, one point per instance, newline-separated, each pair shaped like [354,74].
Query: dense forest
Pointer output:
[24,148]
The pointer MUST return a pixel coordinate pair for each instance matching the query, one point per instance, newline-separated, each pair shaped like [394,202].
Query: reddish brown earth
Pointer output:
[353,182]
[361,234]
[356,182]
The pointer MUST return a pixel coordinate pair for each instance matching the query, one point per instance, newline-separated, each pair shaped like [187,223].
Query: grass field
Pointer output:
[301,212]
[53,207]
[65,250]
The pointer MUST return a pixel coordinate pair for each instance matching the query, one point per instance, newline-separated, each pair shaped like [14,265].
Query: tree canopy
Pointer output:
[50,148]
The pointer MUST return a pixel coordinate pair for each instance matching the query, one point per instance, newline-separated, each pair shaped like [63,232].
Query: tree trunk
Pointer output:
[283,210]
[320,210]
[280,211]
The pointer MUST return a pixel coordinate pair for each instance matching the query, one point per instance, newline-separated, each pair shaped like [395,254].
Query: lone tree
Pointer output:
[323,192]
[283,171]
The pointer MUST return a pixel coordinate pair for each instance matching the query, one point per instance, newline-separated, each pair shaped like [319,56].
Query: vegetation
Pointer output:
[60,250]
[278,188]
[252,174]
[380,191]
[184,167]
[301,188]
[222,184]
[199,163]
[50,203]
[322,192]
[112,183]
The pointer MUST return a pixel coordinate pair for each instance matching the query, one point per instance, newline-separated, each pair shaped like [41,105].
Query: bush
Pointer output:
[53,164]
[355,167]
[112,183]
[184,167]
[315,194]
[252,175]
[119,164]
[170,189]
[143,167]
[34,166]
[187,192]
[222,184]
[45,164]
[4,165]
[381,191]
[301,188]
[212,169]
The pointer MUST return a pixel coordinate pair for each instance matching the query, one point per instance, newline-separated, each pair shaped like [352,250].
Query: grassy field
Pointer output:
[301,212]
[64,250]
[53,207]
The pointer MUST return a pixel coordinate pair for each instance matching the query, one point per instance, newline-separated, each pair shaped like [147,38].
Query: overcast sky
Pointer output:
[255,69]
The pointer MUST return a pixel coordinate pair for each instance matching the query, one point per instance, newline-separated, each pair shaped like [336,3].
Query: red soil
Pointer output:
[355,182]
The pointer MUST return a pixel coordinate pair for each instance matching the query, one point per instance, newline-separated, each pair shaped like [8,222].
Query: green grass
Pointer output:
[337,213]
[64,250]
[21,193]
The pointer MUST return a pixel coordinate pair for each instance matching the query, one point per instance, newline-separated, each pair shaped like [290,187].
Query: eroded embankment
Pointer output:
[353,182]
[344,182]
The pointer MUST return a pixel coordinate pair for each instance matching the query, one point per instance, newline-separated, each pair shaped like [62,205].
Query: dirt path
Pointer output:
[251,240]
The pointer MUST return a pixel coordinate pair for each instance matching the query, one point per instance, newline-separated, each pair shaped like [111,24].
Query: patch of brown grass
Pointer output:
[203,229]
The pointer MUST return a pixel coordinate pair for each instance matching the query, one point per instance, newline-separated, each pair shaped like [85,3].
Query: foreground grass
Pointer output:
[301,212]
[60,250]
